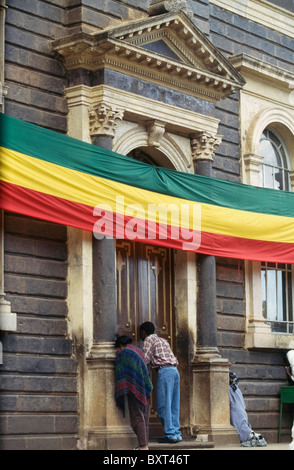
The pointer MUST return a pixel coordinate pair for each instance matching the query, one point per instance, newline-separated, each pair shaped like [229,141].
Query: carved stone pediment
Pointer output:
[167,49]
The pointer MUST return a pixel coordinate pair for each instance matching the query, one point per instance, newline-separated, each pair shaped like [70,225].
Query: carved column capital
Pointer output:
[203,145]
[103,119]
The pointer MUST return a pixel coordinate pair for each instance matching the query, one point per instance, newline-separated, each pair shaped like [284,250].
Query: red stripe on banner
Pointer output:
[42,206]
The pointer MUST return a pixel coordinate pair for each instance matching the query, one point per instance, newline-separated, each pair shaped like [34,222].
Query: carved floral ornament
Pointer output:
[203,145]
[103,119]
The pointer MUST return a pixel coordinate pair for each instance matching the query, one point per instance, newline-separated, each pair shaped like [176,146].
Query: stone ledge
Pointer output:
[185,444]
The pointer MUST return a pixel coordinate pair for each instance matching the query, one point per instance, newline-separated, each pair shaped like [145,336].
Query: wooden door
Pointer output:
[144,293]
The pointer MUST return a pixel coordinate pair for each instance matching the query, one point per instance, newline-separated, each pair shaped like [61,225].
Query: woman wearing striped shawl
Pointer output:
[133,381]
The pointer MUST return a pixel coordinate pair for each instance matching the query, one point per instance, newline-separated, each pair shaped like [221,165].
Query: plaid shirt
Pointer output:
[158,351]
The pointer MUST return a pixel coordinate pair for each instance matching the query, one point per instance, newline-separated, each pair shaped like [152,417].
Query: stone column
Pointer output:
[211,409]
[106,428]
[203,146]
[103,120]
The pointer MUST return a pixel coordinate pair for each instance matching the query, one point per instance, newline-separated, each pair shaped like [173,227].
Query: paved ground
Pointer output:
[188,445]
[268,447]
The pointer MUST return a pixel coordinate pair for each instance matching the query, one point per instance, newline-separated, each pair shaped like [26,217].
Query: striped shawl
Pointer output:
[131,376]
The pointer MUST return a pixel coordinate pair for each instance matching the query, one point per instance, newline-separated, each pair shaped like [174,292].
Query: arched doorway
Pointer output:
[145,292]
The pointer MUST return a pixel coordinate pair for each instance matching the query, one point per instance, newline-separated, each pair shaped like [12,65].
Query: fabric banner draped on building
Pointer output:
[63,180]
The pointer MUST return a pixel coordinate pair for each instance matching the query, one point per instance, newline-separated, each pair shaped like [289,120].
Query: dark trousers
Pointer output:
[139,417]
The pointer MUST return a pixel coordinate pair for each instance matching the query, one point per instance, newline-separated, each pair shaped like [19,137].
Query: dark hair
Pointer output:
[122,340]
[148,327]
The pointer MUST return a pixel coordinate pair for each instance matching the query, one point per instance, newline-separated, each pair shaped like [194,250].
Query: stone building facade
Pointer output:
[195,86]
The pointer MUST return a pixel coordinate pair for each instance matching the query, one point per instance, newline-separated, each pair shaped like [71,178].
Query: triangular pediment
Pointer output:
[162,47]
[167,49]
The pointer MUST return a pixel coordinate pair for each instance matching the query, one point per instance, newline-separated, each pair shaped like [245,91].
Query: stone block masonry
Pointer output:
[38,406]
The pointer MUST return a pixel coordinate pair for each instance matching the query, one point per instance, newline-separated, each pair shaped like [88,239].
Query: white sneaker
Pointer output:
[291,446]
[254,440]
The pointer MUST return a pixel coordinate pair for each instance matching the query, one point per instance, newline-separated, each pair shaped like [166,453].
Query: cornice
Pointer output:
[197,68]
[261,12]
[248,65]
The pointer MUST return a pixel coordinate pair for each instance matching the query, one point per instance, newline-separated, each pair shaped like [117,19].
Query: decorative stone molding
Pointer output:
[203,145]
[137,109]
[252,165]
[156,130]
[3,93]
[101,356]
[292,179]
[158,7]
[190,64]
[8,320]
[250,65]
[103,119]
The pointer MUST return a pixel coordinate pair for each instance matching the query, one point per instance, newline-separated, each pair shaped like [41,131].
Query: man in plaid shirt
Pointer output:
[159,354]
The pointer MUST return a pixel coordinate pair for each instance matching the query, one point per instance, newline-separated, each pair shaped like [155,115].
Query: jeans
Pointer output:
[238,414]
[168,401]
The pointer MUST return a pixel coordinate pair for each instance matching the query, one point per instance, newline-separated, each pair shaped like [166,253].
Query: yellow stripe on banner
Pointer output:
[55,180]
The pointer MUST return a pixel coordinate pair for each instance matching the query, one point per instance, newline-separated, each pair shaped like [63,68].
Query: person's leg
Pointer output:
[146,419]
[239,418]
[138,415]
[175,408]
[291,445]
[165,388]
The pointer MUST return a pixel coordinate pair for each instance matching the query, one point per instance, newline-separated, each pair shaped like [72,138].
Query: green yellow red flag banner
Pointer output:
[53,177]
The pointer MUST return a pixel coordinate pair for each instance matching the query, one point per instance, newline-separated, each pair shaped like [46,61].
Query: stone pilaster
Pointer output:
[8,320]
[258,333]
[292,180]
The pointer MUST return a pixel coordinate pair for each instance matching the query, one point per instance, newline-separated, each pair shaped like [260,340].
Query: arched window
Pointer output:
[276,278]
[275,168]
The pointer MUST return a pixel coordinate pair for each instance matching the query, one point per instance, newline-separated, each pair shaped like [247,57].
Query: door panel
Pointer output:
[144,289]
[144,293]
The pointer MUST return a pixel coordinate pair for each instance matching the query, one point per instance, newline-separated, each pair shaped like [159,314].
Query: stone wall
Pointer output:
[38,376]
[34,78]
